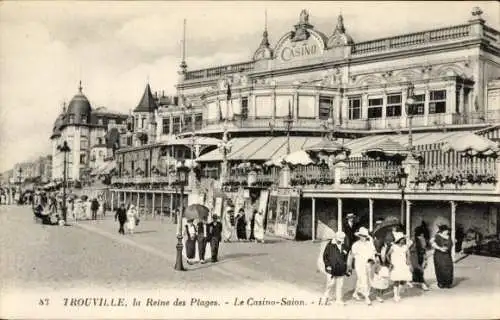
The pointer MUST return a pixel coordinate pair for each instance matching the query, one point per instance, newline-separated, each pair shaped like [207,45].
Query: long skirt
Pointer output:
[418,276]
[241,231]
[443,266]
[363,277]
[190,248]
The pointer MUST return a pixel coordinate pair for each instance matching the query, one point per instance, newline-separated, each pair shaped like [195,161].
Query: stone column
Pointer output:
[411,167]
[339,171]
[364,106]
[497,164]
[404,116]
[461,100]
[112,201]
[339,214]
[370,208]
[453,206]
[153,212]
[161,205]
[137,201]
[285,174]
[313,218]
[408,219]
[426,107]
[316,106]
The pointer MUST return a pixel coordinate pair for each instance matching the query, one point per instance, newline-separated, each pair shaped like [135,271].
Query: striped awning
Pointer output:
[260,148]
[471,145]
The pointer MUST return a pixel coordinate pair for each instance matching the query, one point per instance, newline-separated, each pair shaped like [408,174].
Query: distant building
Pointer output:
[93,135]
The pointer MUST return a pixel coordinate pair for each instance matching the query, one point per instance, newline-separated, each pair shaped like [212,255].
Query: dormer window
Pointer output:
[71,118]
[100,121]
[84,119]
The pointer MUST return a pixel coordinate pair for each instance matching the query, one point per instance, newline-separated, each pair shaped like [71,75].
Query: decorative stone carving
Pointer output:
[339,37]
[301,32]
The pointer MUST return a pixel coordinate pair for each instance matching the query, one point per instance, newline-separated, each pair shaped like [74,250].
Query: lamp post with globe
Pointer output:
[182,172]
[64,148]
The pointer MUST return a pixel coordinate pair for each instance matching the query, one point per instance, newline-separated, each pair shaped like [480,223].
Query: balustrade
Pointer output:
[312,175]
[219,71]
[472,174]
[370,173]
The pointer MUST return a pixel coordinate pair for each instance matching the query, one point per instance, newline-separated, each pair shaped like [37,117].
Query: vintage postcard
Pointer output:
[241,159]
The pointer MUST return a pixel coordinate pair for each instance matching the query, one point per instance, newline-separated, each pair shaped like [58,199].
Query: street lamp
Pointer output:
[65,149]
[288,126]
[410,106]
[403,177]
[225,148]
[182,171]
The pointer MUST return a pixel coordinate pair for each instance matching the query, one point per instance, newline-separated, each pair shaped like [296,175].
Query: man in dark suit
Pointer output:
[215,237]
[349,227]
[121,216]
[335,259]
[203,238]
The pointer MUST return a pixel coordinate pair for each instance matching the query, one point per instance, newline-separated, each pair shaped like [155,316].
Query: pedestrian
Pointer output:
[443,263]
[363,253]
[131,218]
[228,225]
[349,228]
[418,259]
[259,230]
[190,236]
[215,237]
[379,279]
[252,226]
[424,230]
[335,260]
[241,225]
[399,261]
[203,238]
[121,216]
[94,206]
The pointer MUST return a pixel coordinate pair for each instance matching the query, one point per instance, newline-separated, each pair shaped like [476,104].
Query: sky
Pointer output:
[115,48]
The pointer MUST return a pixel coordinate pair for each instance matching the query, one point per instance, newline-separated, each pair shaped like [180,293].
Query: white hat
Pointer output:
[398,236]
[362,232]
[340,235]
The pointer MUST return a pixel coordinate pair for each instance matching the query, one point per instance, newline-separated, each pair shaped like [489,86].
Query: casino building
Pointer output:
[417,94]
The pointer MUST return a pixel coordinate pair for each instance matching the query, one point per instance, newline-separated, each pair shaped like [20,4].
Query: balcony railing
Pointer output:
[219,71]
[312,176]
[409,40]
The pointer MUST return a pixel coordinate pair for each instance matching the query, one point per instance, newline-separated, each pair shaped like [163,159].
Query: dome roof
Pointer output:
[79,109]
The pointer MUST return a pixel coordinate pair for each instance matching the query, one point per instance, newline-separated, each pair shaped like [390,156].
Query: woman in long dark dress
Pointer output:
[241,225]
[252,226]
[443,263]
[419,260]
[190,234]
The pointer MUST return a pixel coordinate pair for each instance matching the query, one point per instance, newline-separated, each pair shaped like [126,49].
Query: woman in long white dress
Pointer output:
[399,261]
[258,231]
[131,218]
[363,252]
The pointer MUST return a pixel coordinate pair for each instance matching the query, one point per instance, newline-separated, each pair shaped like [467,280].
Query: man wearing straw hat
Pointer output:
[335,259]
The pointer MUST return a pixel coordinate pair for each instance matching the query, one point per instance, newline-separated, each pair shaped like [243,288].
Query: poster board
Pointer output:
[283,213]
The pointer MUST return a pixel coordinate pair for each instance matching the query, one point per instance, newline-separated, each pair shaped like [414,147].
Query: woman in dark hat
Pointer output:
[241,225]
[443,263]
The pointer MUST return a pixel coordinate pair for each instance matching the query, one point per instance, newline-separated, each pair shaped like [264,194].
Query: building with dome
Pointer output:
[405,126]
[92,134]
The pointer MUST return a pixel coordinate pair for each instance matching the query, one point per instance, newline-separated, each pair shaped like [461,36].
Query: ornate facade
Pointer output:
[310,83]
[93,135]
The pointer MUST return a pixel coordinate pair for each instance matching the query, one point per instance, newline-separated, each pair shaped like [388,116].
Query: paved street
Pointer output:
[91,255]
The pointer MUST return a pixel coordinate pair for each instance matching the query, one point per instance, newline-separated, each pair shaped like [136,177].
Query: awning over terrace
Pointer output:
[421,141]
[260,148]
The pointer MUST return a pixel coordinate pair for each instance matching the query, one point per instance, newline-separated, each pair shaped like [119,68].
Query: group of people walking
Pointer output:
[127,216]
[378,263]
[200,234]
[239,224]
